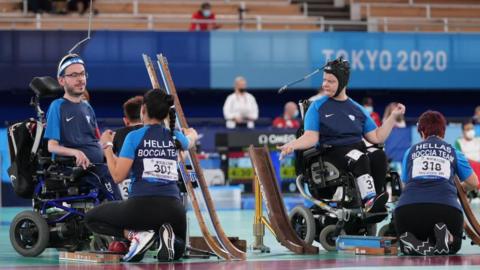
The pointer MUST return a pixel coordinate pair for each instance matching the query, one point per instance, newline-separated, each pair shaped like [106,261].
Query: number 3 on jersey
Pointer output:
[165,169]
[431,166]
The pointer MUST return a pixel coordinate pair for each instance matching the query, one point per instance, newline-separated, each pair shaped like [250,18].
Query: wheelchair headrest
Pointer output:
[46,87]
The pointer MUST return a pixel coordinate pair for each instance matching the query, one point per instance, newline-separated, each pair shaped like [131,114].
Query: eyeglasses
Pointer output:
[76,75]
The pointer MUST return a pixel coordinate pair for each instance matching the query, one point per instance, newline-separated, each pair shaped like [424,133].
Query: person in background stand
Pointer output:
[240,107]
[131,119]
[367,103]
[289,118]
[469,145]
[205,13]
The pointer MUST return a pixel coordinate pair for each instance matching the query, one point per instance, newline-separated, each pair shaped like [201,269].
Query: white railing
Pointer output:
[150,22]
[258,23]
[356,8]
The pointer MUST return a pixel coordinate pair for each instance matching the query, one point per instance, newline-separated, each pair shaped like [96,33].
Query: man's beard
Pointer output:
[71,91]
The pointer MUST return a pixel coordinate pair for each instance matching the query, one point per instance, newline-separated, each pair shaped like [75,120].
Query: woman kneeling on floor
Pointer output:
[428,217]
[154,203]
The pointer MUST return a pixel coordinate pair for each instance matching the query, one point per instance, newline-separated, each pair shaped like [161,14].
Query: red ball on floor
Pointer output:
[118,247]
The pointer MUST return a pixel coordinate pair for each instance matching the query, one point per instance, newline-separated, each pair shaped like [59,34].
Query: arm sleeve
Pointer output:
[369,123]
[184,141]
[404,175]
[312,118]
[457,145]
[227,109]
[52,132]
[128,147]
[464,170]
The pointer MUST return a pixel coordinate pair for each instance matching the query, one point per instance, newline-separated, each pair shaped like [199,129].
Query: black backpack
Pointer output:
[24,139]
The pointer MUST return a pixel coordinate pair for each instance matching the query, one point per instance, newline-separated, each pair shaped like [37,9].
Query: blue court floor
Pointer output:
[239,223]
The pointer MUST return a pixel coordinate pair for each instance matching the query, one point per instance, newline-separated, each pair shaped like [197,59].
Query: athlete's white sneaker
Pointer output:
[139,244]
[412,246]
[166,251]
[441,236]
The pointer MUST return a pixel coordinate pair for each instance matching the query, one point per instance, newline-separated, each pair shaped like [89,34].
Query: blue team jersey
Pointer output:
[154,170]
[74,125]
[338,122]
[428,170]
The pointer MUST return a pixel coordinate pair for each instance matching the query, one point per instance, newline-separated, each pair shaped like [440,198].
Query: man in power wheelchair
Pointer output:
[345,179]
[336,205]
[63,188]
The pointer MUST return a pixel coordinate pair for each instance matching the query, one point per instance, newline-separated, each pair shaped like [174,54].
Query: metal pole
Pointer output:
[25,7]
[259,221]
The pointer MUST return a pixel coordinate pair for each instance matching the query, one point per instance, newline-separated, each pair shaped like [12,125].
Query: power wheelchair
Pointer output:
[331,213]
[59,199]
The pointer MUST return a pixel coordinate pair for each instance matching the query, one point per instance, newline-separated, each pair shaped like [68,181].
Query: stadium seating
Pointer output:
[164,15]
[418,15]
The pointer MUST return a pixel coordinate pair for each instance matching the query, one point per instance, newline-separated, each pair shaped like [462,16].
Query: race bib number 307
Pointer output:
[431,166]
[160,168]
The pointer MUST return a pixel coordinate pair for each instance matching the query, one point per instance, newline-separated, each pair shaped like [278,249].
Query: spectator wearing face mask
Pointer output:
[240,108]
[289,117]
[469,145]
[367,103]
[204,13]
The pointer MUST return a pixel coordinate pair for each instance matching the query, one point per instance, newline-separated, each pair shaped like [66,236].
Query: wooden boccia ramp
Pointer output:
[278,217]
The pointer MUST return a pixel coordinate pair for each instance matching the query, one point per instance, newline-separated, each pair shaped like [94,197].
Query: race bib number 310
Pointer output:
[160,168]
[431,166]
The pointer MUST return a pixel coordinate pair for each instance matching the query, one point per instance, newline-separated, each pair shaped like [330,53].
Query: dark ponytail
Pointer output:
[173,116]
[159,105]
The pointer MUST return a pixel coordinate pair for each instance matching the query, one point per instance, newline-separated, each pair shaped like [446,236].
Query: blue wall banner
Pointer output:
[378,60]
[113,58]
[211,60]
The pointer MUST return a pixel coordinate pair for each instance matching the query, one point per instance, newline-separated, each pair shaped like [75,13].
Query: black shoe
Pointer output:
[166,251]
[377,204]
[412,246]
[441,237]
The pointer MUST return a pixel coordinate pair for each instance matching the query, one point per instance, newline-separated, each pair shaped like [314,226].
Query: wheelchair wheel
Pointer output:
[29,234]
[303,223]
[328,238]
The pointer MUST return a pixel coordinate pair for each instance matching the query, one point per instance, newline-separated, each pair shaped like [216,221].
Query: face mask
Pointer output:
[295,115]
[470,134]
[369,109]
[242,90]
[206,12]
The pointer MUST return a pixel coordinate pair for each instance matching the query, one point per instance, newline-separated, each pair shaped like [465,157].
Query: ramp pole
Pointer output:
[259,221]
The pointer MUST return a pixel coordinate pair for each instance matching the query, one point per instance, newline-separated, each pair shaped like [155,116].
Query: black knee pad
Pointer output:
[358,162]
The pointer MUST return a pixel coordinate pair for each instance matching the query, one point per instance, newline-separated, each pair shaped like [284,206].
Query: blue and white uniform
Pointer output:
[74,125]
[428,170]
[154,170]
[339,123]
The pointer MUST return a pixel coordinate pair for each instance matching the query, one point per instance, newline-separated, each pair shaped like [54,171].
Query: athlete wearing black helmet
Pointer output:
[342,124]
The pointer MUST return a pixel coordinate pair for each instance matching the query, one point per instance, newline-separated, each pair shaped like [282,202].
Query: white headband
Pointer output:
[71,61]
